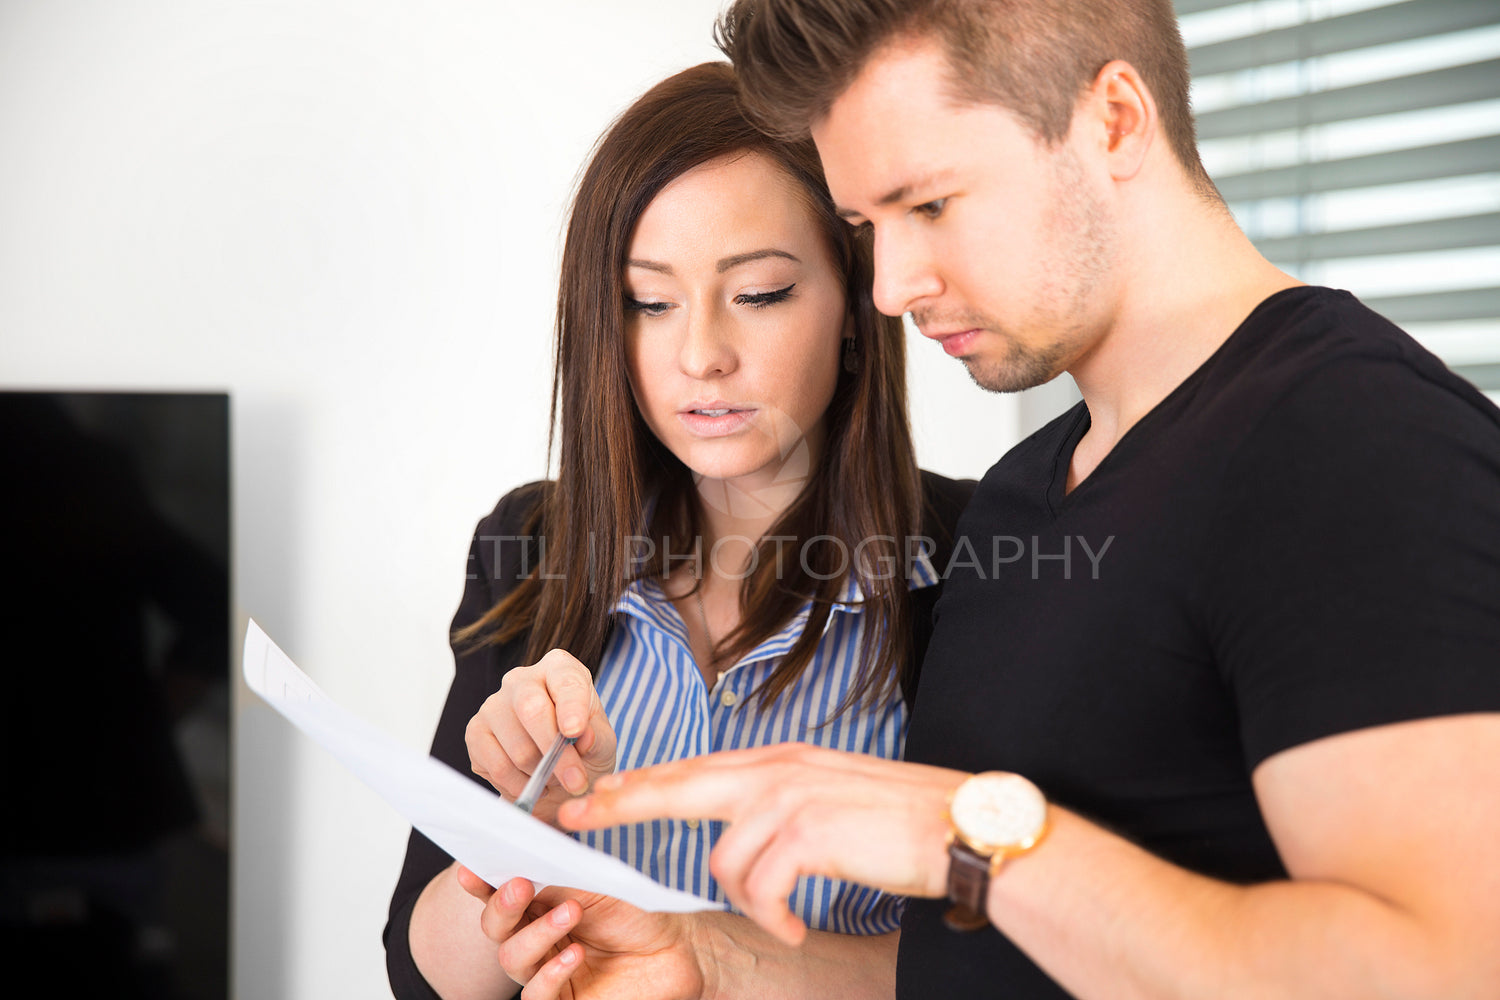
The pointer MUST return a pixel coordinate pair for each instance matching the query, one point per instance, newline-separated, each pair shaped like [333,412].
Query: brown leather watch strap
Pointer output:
[968,886]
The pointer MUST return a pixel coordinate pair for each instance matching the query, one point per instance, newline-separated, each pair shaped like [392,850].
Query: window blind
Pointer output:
[1357,143]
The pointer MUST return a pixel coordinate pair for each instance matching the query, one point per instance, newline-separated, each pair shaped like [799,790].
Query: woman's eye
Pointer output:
[760,300]
[646,308]
[931,209]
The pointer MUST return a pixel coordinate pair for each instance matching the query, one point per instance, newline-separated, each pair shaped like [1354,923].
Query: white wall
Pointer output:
[345,213]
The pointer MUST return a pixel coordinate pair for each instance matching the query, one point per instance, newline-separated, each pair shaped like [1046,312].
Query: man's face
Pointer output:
[999,246]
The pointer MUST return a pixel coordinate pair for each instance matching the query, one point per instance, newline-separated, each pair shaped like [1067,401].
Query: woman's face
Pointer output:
[734,318]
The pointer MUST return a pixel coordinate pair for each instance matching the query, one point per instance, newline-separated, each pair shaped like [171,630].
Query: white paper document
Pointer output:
[487,834]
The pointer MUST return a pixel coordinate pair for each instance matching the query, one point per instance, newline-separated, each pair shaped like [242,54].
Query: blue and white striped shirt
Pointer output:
[661,710]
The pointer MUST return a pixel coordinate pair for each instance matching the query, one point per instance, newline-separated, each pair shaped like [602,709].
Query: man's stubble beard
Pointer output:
[1079,268]
[1022,368]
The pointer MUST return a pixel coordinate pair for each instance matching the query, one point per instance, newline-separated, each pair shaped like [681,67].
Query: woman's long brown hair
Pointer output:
[863,496]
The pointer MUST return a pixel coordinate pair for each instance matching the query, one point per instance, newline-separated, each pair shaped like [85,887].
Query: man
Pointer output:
[1237,616]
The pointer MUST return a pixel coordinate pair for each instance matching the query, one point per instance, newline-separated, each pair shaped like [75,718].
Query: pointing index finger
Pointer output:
[715,786]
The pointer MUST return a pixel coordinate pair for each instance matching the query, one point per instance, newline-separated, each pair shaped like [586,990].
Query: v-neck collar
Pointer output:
[1059,499]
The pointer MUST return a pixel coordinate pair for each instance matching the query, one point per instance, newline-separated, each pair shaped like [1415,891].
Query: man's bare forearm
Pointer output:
[1107,919]
[745,961]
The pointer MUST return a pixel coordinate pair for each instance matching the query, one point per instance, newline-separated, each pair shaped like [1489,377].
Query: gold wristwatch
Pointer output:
[992,816]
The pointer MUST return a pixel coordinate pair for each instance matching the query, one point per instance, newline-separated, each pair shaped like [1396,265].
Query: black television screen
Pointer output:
[115,631]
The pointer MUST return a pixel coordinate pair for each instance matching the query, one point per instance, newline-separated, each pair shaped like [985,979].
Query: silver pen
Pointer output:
[538,782]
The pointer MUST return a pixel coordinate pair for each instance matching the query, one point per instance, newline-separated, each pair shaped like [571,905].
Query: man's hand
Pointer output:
[793,810]
[561,943]
[514,727]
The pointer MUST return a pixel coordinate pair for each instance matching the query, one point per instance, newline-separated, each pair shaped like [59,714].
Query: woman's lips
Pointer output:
[716,420]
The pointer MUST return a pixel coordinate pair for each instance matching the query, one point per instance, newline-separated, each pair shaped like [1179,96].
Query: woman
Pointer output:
[734,547]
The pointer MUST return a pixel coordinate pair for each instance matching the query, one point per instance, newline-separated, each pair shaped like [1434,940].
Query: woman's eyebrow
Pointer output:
[651,265]
[724,264]
[744,258]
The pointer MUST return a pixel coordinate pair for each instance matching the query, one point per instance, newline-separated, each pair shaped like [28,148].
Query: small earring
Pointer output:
[851,355]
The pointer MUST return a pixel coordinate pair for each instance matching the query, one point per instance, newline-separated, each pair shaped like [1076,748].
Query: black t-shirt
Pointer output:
[1302,539]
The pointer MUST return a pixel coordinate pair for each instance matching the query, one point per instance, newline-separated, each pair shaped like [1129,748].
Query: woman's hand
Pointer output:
[517,724]
[570,945]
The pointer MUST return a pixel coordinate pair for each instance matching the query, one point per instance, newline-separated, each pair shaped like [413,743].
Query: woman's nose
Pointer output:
[707,346]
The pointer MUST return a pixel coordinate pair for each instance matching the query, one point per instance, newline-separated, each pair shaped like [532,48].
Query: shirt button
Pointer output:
[692,824]
[728,698]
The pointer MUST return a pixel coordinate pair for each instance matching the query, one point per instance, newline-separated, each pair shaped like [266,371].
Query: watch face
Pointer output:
[996,811]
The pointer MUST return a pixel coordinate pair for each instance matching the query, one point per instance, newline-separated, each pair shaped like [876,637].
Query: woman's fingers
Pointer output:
[578,713]
[571,689]
[514,727]
[489,757]
[589,759]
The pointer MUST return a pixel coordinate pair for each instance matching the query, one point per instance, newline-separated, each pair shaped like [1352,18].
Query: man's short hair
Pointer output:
[1033,57]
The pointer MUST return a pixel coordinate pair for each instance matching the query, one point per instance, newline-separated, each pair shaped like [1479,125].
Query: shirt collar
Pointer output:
[921,574]
[644,599]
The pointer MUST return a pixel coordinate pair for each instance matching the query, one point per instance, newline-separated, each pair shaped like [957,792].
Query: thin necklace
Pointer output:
[707,633]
